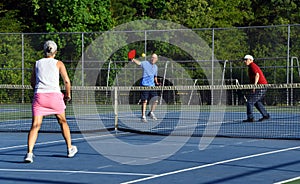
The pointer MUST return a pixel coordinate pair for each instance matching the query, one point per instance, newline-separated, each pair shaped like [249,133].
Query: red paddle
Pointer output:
[131,54]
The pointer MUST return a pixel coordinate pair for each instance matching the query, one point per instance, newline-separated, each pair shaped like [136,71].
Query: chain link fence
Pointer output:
[275,49]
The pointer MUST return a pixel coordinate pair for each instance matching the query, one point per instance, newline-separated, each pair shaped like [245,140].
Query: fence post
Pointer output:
[82,59]
[288,64]
[145,44]
[116,107]
[212,65]
[23,67]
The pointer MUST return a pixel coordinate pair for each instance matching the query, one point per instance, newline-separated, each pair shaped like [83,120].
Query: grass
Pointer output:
[290,181]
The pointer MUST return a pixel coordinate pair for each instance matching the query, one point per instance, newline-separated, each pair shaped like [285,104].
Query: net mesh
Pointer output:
[182,110]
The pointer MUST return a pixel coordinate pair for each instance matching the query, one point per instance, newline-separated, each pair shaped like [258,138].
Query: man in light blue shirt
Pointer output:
[149,79]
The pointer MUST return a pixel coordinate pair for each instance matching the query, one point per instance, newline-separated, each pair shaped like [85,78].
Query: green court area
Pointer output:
[290,181]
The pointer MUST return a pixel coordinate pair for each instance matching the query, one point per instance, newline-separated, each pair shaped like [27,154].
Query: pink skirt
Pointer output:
[48,104]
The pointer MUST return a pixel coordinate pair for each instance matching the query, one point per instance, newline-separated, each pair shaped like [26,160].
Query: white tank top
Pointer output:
[47,76]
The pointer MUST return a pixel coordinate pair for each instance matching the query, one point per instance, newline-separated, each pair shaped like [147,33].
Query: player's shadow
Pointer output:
[13,161]
[59,156]
[9,155]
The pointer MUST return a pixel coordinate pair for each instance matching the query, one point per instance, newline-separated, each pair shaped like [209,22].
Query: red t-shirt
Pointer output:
[252,70]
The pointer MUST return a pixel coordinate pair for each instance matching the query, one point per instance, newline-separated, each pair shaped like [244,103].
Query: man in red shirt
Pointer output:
[256,76]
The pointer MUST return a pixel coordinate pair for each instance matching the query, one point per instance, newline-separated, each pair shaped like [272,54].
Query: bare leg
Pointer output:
[61,118]
[144,107]
[153,106]
[33,133]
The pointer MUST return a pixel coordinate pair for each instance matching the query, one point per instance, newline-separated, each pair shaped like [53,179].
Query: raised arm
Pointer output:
[136,61]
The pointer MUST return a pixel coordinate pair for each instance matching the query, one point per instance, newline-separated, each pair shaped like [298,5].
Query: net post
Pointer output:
[195,82]
[116,108]
[223,79]
[164,80]
[107,79]
[292,75]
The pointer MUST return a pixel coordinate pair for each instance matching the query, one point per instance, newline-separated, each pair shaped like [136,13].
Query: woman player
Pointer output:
[48,98]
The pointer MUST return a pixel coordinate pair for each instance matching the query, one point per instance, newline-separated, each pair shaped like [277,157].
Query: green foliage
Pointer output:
[275,12]
[204,13]
[14,69]
[73,15]
[192,14]
[11,51]
[11,60]
[129,10]
[9,23]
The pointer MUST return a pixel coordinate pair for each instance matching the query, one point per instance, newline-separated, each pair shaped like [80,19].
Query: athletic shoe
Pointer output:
[72,151]
[249,120]
[151,114]
[29,158]
[144,120]
[264,118]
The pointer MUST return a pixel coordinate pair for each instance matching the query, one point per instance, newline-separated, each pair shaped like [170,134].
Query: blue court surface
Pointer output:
[224,160]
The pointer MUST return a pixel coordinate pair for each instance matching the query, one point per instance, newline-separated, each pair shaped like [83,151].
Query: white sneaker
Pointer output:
[152,116]
[144,120]
[72,151]
[29,158]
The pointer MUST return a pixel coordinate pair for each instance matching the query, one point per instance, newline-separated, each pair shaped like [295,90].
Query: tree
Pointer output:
[204,13]
[13,68]
[128,10]
[275,12]
[11,50]
[62,16]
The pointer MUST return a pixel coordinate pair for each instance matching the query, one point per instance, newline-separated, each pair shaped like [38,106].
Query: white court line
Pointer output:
[209,165]
[74,172]
[289,180]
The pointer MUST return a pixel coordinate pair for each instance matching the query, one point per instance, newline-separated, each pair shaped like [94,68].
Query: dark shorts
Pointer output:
[147,95]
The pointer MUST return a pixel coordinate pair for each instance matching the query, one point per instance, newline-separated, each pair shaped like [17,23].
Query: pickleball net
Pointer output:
[182,110]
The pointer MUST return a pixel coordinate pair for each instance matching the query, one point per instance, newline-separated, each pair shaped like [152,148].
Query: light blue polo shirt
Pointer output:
[149,72]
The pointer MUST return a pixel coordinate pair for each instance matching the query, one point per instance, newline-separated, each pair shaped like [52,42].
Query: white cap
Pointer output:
[249,57]
[50,46]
